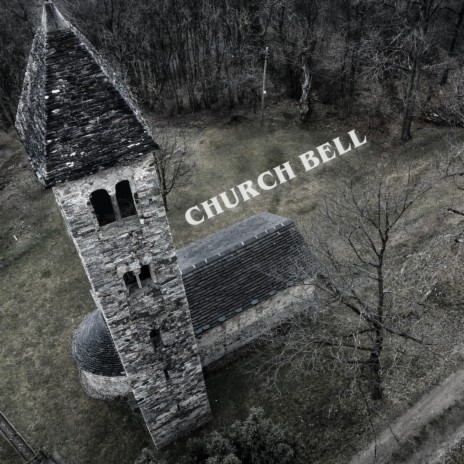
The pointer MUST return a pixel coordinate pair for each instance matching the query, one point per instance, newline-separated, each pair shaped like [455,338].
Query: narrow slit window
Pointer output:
[155,338]
[131,281]
[103,207]
[125,199]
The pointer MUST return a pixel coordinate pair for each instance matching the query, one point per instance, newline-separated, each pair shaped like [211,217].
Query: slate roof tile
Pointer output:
[75,116]
[93,348]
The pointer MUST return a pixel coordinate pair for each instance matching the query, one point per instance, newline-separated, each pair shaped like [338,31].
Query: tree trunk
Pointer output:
[375,379]
[444,77]
[411,98]
[305,100]
[162,180]
[374,362]
[427,11]
[357,36]
[164,190]
[348,43]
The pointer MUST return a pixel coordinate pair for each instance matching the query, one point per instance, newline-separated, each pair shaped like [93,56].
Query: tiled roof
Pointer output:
[74,115]
[93,348]
[228,240]
[241,266]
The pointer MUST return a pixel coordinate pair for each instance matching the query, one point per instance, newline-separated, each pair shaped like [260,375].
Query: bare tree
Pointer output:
[452,167]
[16,32]
[173,161]
[178,55]
[454,40]
[420,41]
[305,35]
[363,304]
[305,103]
[403,41]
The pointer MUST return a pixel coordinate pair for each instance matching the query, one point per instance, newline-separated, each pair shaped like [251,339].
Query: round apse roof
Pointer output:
[93,348]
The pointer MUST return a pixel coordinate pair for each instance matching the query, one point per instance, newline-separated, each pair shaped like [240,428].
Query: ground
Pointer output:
[418,435]
[45,293]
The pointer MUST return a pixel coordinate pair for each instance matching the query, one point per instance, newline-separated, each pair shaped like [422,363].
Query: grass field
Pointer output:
[45,294]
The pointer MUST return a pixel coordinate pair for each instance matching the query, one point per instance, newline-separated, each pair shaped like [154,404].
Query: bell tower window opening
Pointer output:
[145,275]
[125,199]
[137,280]
[103,207]
[131,281]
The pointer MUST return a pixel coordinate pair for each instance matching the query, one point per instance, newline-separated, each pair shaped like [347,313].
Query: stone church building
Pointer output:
[161,315]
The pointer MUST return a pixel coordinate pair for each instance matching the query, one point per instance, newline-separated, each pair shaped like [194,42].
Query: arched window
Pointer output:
[101,202]
[145,275]
[125,199]
[131,281]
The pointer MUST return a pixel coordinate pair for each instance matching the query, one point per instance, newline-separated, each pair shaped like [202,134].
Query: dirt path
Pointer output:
[423,430]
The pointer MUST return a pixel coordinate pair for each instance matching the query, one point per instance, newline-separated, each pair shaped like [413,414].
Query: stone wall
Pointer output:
[102,387]
[166,379]
[247,326]
[221,340]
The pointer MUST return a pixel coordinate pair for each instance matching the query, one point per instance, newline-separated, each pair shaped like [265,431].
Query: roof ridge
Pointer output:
[214,257]
[52,19]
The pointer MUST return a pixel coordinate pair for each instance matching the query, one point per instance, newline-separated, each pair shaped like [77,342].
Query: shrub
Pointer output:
[256,440]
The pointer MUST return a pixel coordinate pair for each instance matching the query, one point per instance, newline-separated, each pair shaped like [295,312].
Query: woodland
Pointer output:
[385,224]
[385,59]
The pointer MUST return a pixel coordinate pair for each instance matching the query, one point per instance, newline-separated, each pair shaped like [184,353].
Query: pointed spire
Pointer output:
[75,116]
[52,19]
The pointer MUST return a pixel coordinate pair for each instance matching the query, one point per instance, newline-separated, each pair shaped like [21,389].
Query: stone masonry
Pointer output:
[84,135]
[167,379]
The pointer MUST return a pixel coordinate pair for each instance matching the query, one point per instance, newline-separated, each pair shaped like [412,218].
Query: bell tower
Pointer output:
[85,137]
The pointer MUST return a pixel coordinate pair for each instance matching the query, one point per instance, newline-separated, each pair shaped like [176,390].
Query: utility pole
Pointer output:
[266,55]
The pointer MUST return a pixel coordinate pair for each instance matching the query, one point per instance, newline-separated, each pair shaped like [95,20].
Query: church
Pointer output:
[161,315]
